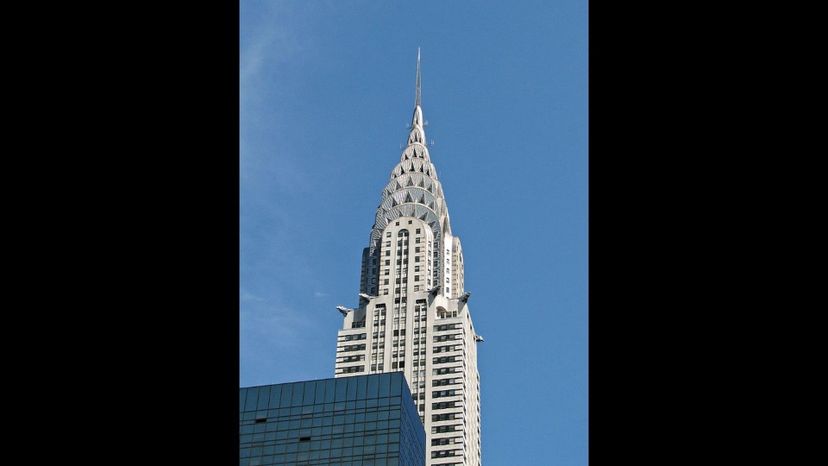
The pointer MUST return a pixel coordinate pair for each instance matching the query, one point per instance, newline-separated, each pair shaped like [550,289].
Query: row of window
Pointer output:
[380,344]
[445,417]
[446,405]
[441,328]
[440,338]
[358,347]
[446,453]
[446,349]
[353,358]
[302,394]
[441,382]
[357,429]
[327,440]
[326,413]
[443,429]
[362,430]
[357,336]
[443,393]
[353,458]
[446,441]
[446,359]
[388,233]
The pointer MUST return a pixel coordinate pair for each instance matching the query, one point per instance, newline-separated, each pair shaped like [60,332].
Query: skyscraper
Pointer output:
[413,314]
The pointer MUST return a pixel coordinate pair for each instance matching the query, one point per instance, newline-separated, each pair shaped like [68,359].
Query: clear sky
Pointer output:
[327,90]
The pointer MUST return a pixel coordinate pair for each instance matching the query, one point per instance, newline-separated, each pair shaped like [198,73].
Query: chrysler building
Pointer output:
[413,314]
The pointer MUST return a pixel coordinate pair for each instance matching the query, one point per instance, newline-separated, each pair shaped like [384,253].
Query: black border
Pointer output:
[656,233]
[134,214]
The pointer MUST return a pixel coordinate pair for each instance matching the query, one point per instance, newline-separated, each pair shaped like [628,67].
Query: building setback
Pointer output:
[413,315]
[356,421]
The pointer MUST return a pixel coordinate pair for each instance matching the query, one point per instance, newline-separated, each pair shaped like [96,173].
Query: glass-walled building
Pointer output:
[368,420]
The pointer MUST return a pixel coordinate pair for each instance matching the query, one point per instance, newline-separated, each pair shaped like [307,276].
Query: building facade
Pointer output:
[413,315]
[355,421]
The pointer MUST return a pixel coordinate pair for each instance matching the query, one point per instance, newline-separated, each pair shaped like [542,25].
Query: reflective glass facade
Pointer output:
[367,420]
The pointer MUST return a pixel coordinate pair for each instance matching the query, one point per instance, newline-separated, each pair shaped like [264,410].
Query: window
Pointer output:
[397,224]
[353,347]
[360,336]
[388,234]
[418,231]
[416,268]
[446,441]
[441,429]
[444,405]
[409,222]
[355,358]
[387,253]
[349,370]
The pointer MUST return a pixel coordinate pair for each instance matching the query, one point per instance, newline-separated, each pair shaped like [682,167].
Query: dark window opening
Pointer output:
[304,439]
[260,420]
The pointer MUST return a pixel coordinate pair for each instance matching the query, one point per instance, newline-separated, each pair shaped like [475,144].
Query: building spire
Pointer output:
[417,133]
[419,80]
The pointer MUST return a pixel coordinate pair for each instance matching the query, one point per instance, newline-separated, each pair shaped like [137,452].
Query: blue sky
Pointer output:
[327,89]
